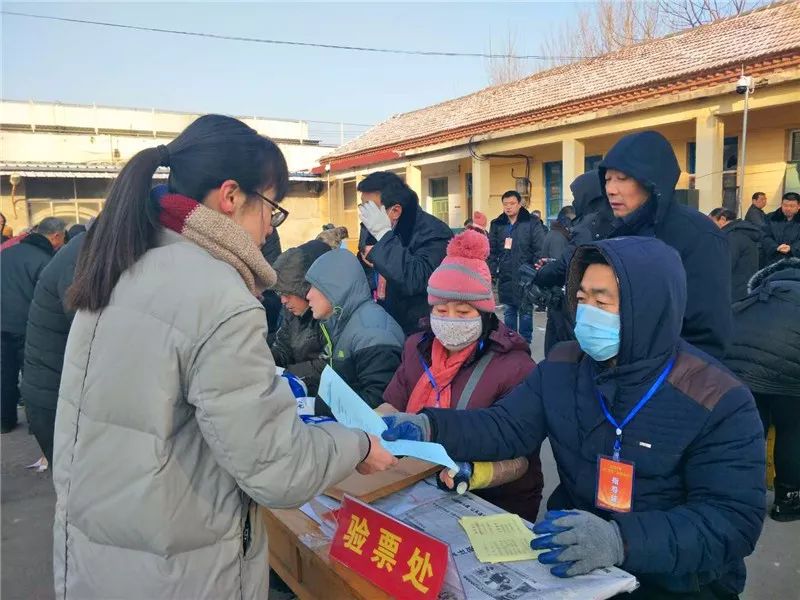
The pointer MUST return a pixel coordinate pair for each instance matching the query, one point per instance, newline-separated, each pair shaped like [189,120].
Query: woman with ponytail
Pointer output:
[172,426]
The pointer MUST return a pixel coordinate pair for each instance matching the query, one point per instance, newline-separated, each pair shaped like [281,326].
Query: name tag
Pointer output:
[507,243]
[614,484]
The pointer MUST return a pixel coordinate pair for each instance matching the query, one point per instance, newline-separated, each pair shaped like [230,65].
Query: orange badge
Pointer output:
[614,484]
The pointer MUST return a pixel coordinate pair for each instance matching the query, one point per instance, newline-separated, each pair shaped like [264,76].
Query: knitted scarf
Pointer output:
[444,369]
[224,239]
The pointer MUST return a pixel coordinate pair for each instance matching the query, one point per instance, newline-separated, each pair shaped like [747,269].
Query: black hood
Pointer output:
[523,217]
[38,240]
[744,227]
[787,269]
[587,194]
[648,158]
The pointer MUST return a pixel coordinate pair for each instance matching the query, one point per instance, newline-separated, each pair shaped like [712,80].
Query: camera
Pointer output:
[534,296]
[744,84]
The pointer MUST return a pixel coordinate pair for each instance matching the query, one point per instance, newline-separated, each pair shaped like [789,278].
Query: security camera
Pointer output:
[744,84]
[15,179]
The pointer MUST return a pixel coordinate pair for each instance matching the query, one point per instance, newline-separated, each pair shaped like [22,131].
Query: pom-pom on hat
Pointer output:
[464,275]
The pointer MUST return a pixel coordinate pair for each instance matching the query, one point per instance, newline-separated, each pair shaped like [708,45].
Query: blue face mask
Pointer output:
[597,332]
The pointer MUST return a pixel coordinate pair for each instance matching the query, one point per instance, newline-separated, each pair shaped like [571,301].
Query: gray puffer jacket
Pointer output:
[366,343]
[170,420]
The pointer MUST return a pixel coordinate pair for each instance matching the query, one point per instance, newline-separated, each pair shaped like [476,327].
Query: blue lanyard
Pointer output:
[645,399]
[510,230]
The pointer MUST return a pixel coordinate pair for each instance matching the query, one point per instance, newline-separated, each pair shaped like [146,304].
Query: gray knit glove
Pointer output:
[578,542]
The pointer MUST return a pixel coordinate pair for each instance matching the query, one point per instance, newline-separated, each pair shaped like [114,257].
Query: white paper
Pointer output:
[350,410]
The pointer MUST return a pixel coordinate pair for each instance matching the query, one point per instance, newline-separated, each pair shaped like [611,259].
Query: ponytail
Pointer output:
[124,231]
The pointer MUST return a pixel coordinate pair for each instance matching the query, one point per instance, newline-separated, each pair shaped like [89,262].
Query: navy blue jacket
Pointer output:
[649,158]
[698,446]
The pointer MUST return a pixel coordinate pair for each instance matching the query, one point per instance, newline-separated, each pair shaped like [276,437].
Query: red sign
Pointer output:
[402,561]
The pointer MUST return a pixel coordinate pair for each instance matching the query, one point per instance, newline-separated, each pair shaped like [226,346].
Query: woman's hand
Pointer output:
[378,458]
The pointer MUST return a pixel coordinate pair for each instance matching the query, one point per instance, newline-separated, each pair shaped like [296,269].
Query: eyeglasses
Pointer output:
[279,214]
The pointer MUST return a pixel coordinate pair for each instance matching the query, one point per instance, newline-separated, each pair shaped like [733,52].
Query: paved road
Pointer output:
[27,520]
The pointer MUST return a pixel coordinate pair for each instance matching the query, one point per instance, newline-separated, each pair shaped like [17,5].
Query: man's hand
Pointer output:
[784,248]
[386,409]
[375,219]
[406,426]
[578,542]
[378,458]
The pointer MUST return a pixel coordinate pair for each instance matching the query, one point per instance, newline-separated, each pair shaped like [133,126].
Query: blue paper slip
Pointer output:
[350,410]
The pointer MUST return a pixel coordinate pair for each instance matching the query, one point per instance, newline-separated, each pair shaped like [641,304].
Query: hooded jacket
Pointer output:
[406,257]
[299,345]
[171,426]
[697,445]
[527,238]
[20,268]
[363,343]
[744,240]
[510,364]
[766,331]
[780,230]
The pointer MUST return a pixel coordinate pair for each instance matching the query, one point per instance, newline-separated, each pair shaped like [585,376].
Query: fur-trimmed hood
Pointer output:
[787,268]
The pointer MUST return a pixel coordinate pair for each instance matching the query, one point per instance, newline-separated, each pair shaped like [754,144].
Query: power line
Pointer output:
[288,42]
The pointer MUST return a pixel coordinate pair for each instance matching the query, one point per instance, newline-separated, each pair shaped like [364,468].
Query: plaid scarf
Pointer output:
[224,239]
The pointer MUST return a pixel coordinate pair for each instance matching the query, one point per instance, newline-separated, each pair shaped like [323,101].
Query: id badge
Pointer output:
[614,484]
[508,242]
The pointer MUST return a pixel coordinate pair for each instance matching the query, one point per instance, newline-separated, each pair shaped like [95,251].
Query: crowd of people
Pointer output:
[671,349]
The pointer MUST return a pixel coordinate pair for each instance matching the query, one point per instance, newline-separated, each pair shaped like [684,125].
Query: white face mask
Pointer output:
[456,334]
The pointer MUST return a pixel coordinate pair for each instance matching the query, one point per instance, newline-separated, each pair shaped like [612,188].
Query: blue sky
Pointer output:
[75,63]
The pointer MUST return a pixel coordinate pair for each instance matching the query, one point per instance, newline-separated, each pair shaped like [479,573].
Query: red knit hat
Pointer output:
[479,219]
[464,275]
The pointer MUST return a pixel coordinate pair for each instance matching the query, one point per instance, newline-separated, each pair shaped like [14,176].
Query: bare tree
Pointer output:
[508,68]
[682,14]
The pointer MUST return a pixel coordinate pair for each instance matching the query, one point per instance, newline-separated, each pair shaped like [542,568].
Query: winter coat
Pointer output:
[365,343]
[526,249]
[20,268]
[406,257]
[766,331]
[697,445]
[170,420]
[779,230]
[49,321]
[509,364]
[271,249]
[299,343]
[556,241]
[744,240]
[755,216]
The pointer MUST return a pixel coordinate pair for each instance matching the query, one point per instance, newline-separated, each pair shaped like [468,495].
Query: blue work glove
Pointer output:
[375,219]
[578,542]
[406,426]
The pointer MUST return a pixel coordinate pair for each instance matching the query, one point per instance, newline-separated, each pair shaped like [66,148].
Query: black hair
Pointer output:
[210,151]
[468,222]
[567,211]
[791,196]
[584,257]
[723,212]
[757,194]
[379,181]
[50,225]
[510,194]
[5,221]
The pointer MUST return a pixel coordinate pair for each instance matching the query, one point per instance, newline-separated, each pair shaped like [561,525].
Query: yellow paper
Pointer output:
[499,538]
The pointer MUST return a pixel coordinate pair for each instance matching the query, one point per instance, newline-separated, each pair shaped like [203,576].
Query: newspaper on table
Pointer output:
[437,513]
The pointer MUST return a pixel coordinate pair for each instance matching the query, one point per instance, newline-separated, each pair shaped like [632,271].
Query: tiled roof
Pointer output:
[742,40]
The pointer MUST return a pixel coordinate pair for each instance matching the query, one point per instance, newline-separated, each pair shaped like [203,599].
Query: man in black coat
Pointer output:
[409,245]
[782,230]
[744,242]
[20,268]
[755,214]
[49,320]
[639,175]
[271,250]
[515,238]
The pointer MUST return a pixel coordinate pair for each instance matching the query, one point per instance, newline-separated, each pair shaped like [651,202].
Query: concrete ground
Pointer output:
[28,501]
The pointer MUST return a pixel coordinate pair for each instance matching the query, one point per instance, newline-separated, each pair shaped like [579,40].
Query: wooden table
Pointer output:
[305,566]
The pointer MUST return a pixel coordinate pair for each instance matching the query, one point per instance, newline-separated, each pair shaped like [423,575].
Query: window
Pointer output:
[553,190]
[730,155]
[440,202]
[794,146]
[591,162]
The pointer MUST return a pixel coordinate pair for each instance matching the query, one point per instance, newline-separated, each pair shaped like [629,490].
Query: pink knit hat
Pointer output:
[464,275]
[479,219]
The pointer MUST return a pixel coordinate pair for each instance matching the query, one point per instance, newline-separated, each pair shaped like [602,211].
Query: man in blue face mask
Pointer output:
[658,446]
